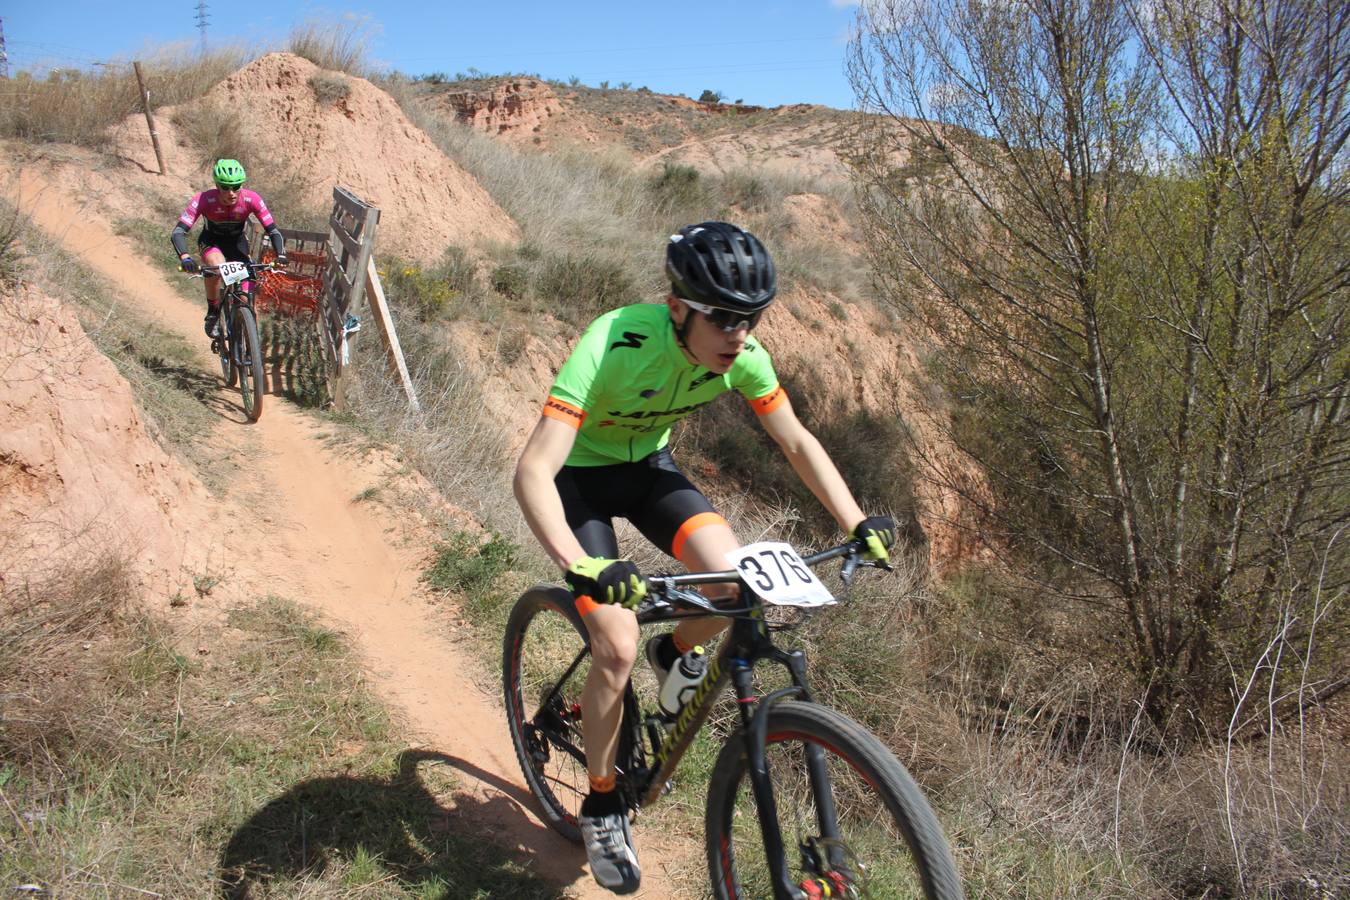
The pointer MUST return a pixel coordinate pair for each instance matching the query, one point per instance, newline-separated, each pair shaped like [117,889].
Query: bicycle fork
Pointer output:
[756,734]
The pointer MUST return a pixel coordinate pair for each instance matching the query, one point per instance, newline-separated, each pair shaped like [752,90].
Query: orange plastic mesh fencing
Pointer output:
[294,292]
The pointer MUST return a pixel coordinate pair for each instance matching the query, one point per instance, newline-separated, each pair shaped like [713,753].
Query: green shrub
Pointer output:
[750,192]
[577,288]
[680,192]
[458,271]
[465,564]
[510,280]
[329,87]
[426,294]
[11,250]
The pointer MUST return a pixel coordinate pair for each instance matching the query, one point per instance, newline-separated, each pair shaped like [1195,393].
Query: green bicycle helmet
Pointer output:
[228,173]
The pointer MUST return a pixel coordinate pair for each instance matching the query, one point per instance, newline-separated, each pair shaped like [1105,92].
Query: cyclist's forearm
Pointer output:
[543,510]
[818,472]
[278,240]
[179,239]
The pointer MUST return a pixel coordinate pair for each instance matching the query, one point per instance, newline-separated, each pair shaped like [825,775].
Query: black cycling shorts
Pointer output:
[234,248]
[652,493]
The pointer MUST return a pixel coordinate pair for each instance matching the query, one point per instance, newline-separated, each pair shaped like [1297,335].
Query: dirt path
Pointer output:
[318,547]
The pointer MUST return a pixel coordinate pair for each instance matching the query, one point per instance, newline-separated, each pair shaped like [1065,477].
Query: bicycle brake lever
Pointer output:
[850,567]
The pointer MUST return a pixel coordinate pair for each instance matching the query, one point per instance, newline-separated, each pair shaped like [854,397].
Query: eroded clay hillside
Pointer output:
[799,140]
[320,129]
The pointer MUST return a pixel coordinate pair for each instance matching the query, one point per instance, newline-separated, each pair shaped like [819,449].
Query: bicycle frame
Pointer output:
[747,644]
[231,296]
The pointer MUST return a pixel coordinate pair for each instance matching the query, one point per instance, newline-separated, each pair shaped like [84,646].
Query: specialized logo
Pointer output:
[630,339]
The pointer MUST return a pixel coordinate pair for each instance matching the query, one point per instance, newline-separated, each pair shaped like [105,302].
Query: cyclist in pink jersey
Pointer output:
[226,210]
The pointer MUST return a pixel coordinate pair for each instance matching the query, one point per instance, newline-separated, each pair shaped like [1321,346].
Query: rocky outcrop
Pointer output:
[515,108]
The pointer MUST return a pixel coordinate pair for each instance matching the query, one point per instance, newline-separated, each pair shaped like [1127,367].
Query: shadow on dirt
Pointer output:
[404,834]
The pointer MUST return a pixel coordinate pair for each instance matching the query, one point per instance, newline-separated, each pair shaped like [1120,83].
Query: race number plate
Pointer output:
[233,272]
[775,572]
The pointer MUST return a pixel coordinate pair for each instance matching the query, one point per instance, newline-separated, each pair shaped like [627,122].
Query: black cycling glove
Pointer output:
[878,533]
[607,581]
[282,261]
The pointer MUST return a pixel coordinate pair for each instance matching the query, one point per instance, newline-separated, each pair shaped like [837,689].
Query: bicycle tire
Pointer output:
[228,371]
[251,370]
[544,634]
[889,833]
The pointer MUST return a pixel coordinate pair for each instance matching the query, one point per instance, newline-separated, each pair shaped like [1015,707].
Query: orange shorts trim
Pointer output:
[585,606]
[692,524]
[769,402]
[564,412]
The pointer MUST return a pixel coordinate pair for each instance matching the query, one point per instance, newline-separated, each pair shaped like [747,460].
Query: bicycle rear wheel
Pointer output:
[248,350]
[545,661]
[889,844]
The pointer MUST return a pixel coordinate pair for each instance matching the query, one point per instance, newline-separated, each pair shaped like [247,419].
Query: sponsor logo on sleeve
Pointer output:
[631,339]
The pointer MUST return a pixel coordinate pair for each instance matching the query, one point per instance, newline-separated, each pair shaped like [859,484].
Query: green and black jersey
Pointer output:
[627,382]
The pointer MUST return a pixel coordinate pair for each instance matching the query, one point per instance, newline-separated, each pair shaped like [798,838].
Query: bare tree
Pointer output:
[1124,228]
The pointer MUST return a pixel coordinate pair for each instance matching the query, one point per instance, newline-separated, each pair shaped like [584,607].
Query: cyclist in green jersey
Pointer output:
[599,452]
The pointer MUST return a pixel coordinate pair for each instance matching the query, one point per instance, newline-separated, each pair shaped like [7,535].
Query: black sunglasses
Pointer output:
[232,188]
[728,320]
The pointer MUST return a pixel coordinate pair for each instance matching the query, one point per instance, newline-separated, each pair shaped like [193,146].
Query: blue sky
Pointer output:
[760,51]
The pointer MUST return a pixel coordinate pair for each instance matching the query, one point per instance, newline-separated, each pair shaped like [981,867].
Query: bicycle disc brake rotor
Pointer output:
[838,871]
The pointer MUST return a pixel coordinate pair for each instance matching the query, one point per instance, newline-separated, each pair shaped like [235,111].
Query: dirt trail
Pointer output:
[316,546]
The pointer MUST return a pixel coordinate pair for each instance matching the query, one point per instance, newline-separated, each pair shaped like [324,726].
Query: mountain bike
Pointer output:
[803,801]
[237,342]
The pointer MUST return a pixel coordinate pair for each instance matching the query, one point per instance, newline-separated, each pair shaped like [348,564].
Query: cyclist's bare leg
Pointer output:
[614,637]
[706,551]
[213,257]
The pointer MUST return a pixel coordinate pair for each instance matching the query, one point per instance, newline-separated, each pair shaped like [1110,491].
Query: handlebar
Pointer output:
[668,587]
[253,269]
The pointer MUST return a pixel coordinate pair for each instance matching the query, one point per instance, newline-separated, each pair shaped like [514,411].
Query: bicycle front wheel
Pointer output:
[224,345]
[248,350]
[545,661]
[881,840]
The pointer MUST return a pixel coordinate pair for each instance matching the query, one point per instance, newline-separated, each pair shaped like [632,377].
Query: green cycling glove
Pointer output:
[607,581]
[878,533]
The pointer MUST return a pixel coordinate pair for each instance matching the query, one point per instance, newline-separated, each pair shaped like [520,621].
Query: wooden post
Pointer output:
[385,322]
[149,119]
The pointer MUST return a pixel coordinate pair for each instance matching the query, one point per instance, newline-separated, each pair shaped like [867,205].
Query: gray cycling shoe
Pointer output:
[609,849]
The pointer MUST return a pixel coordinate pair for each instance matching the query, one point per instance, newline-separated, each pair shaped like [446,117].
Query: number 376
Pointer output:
[784,563]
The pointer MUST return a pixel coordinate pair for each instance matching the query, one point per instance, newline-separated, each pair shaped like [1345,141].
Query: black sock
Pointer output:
[602,804]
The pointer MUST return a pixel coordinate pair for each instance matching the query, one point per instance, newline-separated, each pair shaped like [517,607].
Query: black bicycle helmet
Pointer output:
[720,265]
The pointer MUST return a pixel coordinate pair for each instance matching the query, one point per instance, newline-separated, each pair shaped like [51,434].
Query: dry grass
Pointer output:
[329,87]
[76,107]
[339,46]
[128,768]
[461,454]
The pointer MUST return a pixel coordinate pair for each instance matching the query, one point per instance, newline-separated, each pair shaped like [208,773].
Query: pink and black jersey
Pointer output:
[224,227]
[222,219]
